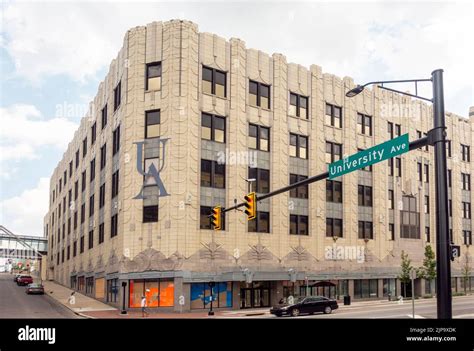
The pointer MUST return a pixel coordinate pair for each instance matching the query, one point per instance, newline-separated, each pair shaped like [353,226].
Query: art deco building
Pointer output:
[184,101]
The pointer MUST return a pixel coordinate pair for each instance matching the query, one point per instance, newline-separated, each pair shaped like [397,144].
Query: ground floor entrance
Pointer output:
[255,295]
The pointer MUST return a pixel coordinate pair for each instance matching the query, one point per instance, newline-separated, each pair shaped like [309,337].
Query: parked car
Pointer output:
[34,289]
[24,280]
[306,305]
[16,277]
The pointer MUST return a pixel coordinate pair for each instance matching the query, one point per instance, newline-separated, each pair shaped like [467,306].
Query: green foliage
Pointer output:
[428,270]
[406,268]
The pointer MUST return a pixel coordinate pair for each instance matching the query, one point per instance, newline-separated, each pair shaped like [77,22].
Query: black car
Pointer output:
[306,305]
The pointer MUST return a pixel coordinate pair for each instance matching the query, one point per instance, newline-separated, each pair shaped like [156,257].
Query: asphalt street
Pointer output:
[15,303]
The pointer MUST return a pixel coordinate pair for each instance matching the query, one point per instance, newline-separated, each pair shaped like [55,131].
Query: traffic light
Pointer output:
[216,217]
[250,206]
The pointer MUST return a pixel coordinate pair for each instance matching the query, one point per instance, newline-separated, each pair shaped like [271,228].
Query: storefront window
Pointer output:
[201,295]
[365,288]
[112,290]
[389,287]
[158,292]
[80,283]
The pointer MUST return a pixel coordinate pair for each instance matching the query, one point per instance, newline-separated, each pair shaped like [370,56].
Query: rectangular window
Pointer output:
[75,220]
[259,94]
[152,124]
[333,191]
[81,245]
[91,205]
[467,237]
[427,204]
[391,231]
[298,146]
[449,178]
[427,173]
[77,158]
[201,295]
[150,214]
[114,226]
[298,106]
[84,147]
[112,290]
[300,192]
[259,137]
[153,76]
[364,195]
[466,181]
[261,224]
[83,181]
[116,140]
[391,200]
[93,133]
[465,153]
[102,196]
[262,180]
[427,234]
[212,174]
[76,189]
[334,227]
[409,219]
[214,82]
[104,117]
[101,233]
[419,170]
[213,127]
[91,239]
[398,166]
[103,156]
[333,152]
[117,95]
[70,169]
[83,212]
[366,230]
[92,176]
[333,116]
[466,210]
[368,168]
[298,225]
[74,249]
[448,148]
[364,124]
[115,184]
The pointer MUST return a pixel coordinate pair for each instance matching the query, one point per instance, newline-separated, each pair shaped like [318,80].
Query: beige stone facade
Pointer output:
[174,248]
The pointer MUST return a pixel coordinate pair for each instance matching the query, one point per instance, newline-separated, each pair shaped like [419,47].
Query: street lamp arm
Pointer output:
[380,84]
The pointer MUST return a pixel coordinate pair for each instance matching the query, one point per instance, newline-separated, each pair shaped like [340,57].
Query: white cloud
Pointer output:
[24,130]
[365,40]
[24,214]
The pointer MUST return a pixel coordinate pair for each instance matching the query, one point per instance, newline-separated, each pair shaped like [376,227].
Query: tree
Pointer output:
[466,272]
[406,268]
[428,270]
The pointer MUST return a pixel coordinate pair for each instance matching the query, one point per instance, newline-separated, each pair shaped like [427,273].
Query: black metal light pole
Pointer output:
[123,311]
[437,138]
[443,256]
[211,312]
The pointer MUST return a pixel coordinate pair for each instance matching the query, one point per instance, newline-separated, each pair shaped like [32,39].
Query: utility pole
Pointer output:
[443,259]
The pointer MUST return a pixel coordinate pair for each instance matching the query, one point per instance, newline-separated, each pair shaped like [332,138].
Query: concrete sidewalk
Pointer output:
[82,303]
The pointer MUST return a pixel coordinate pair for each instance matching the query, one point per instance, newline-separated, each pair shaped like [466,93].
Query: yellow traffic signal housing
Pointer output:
[216,217]
[251,206]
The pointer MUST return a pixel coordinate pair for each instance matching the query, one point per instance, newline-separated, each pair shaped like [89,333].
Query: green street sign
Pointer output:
[375,154]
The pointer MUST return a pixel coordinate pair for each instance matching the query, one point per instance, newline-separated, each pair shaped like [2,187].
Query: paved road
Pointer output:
[14,303]
[463,307]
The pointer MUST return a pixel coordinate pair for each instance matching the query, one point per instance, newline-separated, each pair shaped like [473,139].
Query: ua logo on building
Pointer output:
[152,174]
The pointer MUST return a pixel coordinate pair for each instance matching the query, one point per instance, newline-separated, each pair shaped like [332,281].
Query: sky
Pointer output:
[53,55]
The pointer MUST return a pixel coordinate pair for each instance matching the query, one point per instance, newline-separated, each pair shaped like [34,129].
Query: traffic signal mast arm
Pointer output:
[416,144]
